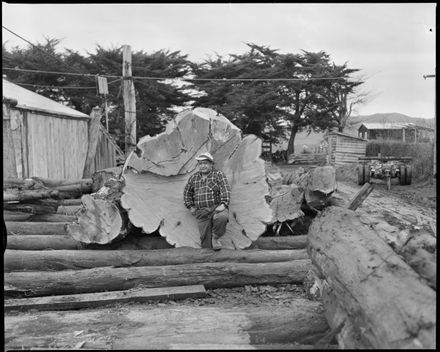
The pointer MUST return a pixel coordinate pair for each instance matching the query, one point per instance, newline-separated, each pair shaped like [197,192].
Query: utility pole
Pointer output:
[129,101]
[434,175]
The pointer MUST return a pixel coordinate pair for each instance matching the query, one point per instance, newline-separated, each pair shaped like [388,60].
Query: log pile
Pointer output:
[371,295]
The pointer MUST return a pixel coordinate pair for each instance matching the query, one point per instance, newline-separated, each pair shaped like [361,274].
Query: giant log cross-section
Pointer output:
[155,177]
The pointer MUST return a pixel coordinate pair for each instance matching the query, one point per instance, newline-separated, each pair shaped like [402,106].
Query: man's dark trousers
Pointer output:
[211,223]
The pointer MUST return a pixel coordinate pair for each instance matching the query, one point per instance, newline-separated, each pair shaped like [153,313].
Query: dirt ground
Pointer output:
[411,208]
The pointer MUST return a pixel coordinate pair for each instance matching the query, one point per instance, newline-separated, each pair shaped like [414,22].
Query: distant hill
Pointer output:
[354,124]
[356,121]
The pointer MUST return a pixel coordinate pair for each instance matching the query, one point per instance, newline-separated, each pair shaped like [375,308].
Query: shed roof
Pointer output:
[347,135]
[390,125]
[29,100]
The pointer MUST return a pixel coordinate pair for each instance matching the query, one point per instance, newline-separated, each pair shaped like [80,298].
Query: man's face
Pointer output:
[205,166]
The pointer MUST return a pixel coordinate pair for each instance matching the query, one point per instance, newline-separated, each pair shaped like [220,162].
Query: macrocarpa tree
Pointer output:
[305,89]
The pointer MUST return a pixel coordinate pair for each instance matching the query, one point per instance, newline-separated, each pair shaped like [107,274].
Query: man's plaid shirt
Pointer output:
[207,193]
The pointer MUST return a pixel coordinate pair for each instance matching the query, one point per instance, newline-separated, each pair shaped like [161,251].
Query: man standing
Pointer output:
[207,195]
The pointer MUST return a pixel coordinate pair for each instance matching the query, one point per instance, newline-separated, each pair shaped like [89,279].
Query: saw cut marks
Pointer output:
[155,178]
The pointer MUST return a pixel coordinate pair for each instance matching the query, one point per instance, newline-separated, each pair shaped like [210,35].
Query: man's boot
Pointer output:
[216,244]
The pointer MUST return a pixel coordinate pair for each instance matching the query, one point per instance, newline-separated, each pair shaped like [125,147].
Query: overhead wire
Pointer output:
[174,78]
[37,47]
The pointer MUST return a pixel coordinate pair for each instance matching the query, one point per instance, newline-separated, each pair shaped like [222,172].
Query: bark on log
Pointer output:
[170,328]
[53,183]
[10,195]
[153,196]
[321,184]
[423,262]
[281,242]
[386,304]
[17,260]
[72,210]
[99,178]
[36,228]
[32,208]
[42,242]
[53,218]
[211,275]
[9,215]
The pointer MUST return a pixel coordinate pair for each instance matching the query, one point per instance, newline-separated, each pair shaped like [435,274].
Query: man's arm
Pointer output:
[225,191]
[188,194]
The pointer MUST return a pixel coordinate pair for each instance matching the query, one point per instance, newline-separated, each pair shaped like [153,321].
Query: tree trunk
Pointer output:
[131,242]
[212,275]
[10,195]
[291,144]
[381,301]
[36,228]
[168,327]
[42,242]
[63,259]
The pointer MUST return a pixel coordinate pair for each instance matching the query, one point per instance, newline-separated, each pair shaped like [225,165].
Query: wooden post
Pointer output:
[129,101]
[360,196]
[93,132]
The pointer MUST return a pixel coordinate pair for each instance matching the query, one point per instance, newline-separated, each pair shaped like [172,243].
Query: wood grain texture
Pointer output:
[212,275]
[153,196]
[140,327]
[54,260]
[385,302]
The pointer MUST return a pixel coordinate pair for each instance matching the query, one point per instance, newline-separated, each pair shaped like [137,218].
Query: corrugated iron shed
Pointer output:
[28,100]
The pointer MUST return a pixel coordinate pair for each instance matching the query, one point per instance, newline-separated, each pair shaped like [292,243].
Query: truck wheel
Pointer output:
[402,175]
[361,178]
[408,174]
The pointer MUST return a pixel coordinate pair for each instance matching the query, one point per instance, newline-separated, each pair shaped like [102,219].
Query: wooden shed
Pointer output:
[398,131]
[44,138]
[344,148]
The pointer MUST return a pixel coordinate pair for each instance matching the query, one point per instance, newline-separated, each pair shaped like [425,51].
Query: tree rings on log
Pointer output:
[156,175]
[100,222]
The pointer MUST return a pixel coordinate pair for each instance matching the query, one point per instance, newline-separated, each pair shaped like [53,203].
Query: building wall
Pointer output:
[105,153]
[345,150]
[57,147]
[49,146]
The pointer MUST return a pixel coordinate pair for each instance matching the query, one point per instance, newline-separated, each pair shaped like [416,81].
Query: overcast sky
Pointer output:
[393,44]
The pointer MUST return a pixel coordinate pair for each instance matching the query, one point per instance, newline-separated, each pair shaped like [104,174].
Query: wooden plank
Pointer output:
[360,196]
[92,300]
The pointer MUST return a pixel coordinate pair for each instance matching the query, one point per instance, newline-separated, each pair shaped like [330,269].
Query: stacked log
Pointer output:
[371,295]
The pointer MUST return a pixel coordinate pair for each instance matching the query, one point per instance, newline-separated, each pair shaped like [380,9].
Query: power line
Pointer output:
[59,87]
[36,47]
[179,78]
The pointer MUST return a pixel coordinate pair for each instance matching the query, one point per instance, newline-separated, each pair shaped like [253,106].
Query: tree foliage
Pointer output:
[155,98]
[305,89]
